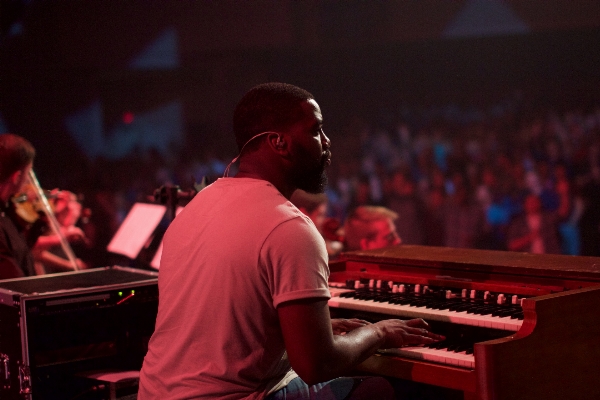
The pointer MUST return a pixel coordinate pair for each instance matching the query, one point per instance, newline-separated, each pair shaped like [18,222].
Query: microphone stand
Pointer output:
[171,195]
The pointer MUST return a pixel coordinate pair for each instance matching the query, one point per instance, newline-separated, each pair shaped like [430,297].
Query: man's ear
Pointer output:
[278,143]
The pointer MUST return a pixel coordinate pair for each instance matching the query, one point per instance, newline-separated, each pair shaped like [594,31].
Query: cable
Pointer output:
[226,173]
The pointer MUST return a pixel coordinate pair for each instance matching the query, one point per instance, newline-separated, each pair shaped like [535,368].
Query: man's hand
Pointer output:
[73,234]
[400,333]
[341,326]
[318,355]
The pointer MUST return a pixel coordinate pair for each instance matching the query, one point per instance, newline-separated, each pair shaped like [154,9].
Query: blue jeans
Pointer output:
[350,388]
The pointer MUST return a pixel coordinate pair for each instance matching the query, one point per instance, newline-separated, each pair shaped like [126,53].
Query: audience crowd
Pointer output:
[505,177]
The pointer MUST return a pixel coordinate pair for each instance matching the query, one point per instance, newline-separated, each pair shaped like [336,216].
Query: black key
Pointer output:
[461,348]
[453,347]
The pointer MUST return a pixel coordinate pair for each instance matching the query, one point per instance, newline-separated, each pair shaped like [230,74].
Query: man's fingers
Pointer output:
[424,333]
[411,339]
[420,327]
[417,323]
[361,321]
[411,332]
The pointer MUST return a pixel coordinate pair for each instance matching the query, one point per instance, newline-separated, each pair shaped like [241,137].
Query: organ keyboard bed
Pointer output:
[517,325]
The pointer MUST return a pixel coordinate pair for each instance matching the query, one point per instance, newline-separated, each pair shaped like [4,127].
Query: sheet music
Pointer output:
[155,263]
[136,229]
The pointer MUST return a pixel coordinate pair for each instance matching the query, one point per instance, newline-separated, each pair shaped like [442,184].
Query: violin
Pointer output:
[28,207]
[34,203]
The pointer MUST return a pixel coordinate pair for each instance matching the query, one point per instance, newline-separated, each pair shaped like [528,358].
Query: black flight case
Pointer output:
[60,332]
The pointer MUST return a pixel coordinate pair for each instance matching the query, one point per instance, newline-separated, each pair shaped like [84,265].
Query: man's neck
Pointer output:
[285,189]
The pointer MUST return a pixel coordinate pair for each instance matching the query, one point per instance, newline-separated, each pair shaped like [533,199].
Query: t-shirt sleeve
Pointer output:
[295,260]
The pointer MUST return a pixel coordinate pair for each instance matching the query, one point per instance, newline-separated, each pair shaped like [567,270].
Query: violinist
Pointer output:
[47,252]
[16,160]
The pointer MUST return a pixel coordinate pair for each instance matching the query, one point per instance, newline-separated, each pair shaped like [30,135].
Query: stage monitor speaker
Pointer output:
[58,330]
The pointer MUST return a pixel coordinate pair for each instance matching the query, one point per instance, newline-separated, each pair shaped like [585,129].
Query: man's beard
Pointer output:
[311,180]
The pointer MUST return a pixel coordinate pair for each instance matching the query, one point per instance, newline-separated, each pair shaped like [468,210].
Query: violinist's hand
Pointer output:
[73,234]
[341,326]
[81,264]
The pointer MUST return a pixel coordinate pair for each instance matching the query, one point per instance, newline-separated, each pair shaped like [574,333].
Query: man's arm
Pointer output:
[317,355]
[519,239]
[72,234]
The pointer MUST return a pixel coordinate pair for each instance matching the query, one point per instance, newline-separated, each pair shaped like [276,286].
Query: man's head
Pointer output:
[286,121]
[371,227]
[267,107]
[16,158]
[67,208]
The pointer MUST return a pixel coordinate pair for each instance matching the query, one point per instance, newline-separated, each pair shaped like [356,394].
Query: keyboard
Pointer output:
[528,318]
[436,304]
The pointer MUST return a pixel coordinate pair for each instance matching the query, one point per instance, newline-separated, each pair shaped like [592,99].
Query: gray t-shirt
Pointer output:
[235,252]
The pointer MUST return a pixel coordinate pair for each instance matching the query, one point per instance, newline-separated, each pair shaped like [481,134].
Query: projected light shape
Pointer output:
[86,128]
[3,127]
[162,53]
[159,129]
[480,18]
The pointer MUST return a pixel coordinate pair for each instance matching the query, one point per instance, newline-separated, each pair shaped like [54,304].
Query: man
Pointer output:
[243,275]
[370,227]
[16,160]
[533,231]
[463,218]
[48,254]
[403,200]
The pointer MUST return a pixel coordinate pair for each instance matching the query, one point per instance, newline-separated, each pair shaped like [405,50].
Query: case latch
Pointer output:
[24,380]
[4,371]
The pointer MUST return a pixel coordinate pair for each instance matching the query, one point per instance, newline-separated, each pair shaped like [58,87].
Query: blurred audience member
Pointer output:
[433,220]
[463,219]
[533,231]
[370,227]
[314,206]
[570,209]
[590,220]
[362,192]
[403,201]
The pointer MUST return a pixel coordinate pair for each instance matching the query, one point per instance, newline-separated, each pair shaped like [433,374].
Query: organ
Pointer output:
[517,325]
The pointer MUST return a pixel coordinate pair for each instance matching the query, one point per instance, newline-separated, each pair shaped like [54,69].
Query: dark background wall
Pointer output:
[89,79]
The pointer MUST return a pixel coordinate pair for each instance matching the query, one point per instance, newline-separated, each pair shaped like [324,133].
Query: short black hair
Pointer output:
[266,107]
[15,154]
